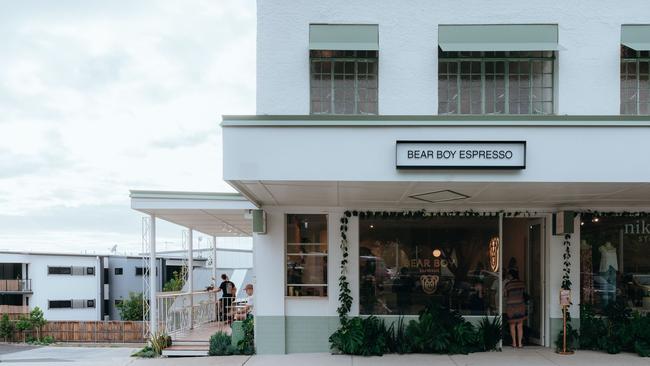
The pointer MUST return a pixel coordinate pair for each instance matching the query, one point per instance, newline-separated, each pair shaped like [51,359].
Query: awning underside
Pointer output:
[222,215]
[449,195]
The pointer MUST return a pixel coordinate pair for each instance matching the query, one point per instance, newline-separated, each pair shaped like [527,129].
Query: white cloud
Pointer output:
[97,98]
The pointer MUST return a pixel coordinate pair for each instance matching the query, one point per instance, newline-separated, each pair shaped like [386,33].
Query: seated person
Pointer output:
[242,312]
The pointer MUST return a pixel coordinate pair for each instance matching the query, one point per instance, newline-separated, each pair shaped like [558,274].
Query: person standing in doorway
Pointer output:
[515,299]
[228,291]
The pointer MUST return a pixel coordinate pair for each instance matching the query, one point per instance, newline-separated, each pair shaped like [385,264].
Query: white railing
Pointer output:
[178,312]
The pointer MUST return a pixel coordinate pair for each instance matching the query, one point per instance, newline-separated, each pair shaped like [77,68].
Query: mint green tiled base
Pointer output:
[269,335]
[556,327]
[306,334]
[294,334]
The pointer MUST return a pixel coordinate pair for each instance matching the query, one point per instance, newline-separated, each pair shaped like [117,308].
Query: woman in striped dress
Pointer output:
[513,295]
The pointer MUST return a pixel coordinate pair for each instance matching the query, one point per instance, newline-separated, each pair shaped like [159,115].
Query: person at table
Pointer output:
[243,312]
[228,291]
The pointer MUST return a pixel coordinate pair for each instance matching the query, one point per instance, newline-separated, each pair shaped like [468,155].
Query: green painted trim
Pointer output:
[437,120]
[344,37]
[636,36]
[224,196]
[498,37]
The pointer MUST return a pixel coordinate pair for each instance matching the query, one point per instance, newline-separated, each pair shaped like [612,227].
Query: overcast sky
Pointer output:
[99,97]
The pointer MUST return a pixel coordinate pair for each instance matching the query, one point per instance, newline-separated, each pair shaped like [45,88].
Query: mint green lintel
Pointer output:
[636,36]
[344,37]
[435,120]
[498,37]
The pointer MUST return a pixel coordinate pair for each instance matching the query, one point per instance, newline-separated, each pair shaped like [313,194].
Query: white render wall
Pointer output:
[588,66]
[344,153]
[61,287]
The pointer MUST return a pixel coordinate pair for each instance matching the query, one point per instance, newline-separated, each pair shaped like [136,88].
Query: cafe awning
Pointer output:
[637,37]
[498,37]
[344,37]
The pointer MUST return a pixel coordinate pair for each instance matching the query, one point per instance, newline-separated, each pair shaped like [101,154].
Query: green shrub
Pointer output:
[348,339]
[132,308]
[175,283]
[23,325]
[441,330]
[571,337]
[246,345]
[146,352]
[37,319]
[361,336]
[396,337]
[159,342]
[6,328]
[221,345]
[592,329]
[489,333]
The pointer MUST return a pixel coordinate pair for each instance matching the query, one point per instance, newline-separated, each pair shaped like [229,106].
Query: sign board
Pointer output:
[460,155]
[565,297]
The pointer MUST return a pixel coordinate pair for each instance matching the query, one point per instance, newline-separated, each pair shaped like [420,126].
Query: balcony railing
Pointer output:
[15,285]
[181,311]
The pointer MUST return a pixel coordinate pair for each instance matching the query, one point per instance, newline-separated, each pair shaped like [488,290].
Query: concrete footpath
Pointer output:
[118,356]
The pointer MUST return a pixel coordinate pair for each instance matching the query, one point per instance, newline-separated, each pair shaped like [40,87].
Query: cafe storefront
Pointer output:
[408,214]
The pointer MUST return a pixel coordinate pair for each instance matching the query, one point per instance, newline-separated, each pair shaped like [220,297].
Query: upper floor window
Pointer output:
[514,82]
[635,88]
[343,82]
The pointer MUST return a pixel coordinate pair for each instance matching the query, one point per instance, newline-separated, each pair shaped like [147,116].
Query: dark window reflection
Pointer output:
[614,264]
[406,263]
[306,250]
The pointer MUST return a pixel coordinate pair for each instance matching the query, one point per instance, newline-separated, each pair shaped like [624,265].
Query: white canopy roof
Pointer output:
[217,214]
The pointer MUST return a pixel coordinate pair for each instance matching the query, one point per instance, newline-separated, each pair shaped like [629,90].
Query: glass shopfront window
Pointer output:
[306,249]
[615,261]
[406,263]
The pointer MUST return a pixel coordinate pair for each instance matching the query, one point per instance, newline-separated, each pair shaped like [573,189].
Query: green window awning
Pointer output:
[498,37]
[344,37]
[637,37]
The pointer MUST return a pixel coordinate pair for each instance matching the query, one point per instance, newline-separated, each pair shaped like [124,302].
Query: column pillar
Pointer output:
[214,259]
[153,280]
[190,273]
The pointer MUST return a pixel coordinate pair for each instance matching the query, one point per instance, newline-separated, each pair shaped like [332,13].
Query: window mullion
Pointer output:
[356,87]
[483,87]
[332,89]
[458,92]
[506,84]
[530,87]
[638,87]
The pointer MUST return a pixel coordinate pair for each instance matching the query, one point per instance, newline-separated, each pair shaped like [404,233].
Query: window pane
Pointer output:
[613,261]
[354,90]
[406,263]
[306,249]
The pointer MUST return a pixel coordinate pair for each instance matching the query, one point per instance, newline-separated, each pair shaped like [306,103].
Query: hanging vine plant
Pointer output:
[566,276]
[345,294]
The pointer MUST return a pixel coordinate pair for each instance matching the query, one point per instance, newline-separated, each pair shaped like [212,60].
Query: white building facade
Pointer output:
[448,143]
[65,287]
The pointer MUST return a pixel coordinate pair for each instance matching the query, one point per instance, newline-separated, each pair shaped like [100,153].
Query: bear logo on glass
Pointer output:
[429,283]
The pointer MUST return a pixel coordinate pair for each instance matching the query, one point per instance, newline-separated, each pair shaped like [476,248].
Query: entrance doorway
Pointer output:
[523,250]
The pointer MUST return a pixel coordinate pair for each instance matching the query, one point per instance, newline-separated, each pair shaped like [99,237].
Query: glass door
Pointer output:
[535,280]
